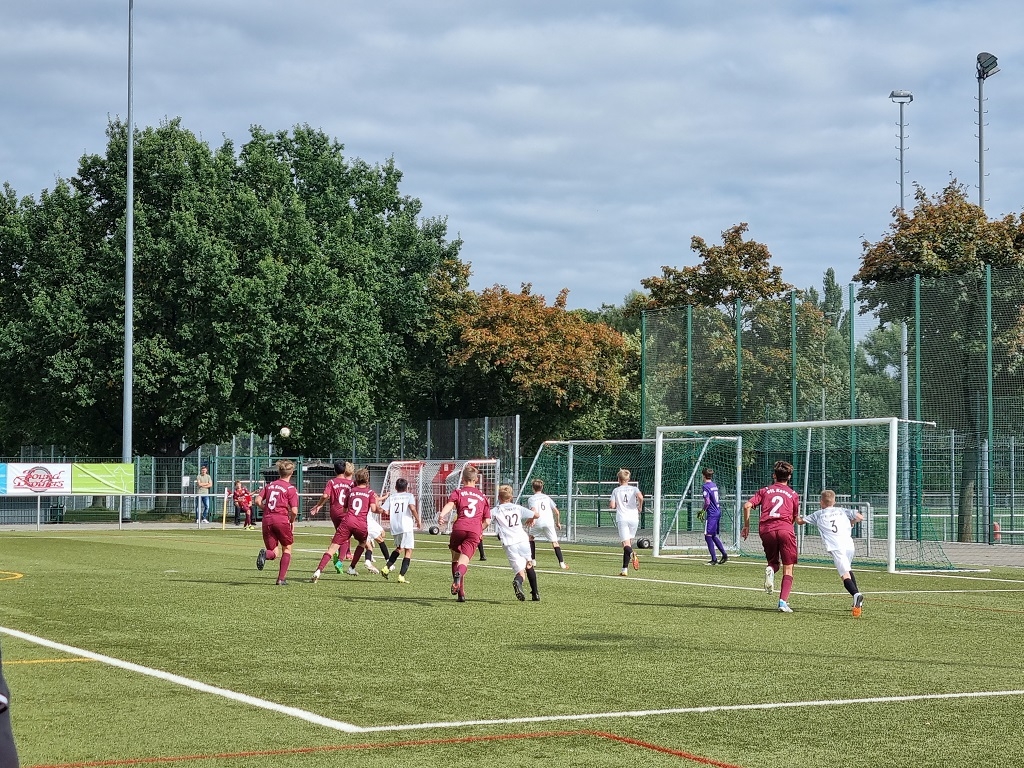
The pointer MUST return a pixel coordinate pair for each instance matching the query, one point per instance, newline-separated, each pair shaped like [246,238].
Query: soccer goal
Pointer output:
[857,458]
[579,476]
[432,481]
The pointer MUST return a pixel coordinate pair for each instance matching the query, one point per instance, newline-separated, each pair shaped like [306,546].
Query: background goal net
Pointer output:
[431,482]
[860,459]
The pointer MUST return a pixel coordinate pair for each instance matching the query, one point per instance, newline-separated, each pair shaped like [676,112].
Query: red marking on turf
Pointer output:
[664,750]
[389,745]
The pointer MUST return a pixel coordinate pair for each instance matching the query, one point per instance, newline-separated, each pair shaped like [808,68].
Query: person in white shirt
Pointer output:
[547,523]
[405,520]
[627,501]
[835,525]
[508,522]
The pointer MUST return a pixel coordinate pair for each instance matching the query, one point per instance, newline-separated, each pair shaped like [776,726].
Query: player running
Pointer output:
[627,501]
[335,496]
[780,507]
[712,517]
[405,520]
[835,526]
[280,504]
[472,514]
[508,521]
[546,523]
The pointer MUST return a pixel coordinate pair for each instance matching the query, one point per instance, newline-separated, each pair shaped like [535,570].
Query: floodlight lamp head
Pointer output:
[901,97]
[988,65]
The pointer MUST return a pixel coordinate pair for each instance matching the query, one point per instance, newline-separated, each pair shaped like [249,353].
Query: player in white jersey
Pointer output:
[546,524]
[405,520]
[627,501]
[835,525]
[508,521]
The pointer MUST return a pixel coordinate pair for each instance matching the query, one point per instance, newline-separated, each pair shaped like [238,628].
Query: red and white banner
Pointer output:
[38,479]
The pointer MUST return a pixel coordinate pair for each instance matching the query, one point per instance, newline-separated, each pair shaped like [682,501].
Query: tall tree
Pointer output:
[736,269]
[948,241]
[517,353]
[276,285]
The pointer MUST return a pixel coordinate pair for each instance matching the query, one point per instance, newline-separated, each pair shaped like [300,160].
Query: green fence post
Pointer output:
[739,361]
[793,400]
[918,458]
[853,395]
[989,385]
[689,364]
[643,374]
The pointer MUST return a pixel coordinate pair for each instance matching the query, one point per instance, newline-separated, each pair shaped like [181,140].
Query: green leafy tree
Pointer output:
[562,373]
[948,241]
[276,285]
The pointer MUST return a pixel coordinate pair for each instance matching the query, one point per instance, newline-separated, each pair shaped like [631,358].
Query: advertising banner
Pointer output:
[102,479]
[37,479]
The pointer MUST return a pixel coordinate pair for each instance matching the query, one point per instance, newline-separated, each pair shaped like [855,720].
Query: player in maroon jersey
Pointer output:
[243,503]
[280,504]
[780,507]
[360,501]
[336,496]
[472,514]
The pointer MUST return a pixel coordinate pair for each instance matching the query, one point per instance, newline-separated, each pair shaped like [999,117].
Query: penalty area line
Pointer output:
[195,685]
[695,710]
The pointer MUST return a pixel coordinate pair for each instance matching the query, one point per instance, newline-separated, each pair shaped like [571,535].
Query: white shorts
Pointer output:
[627,524]
[405,540]
[518,555]
[373,528]
[843,558]
[546,532]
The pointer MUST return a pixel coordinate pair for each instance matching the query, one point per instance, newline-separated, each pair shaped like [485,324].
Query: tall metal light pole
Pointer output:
[988,65]
[903,98]
[129,267]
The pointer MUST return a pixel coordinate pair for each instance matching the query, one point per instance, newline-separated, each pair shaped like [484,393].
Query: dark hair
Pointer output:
[401,484]
[339,467]
[708,472]
[783,471]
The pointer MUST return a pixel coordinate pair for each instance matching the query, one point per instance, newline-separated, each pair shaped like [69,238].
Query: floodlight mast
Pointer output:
[902,98]
[988,65]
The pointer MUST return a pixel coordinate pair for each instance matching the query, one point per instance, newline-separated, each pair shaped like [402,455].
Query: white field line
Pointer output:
[349,728]
[696,710]
[301,714]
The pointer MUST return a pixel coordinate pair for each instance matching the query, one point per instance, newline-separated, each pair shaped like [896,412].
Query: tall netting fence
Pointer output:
[946,350]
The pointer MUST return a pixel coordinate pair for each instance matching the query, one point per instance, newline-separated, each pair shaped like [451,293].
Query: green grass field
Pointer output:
[678,664]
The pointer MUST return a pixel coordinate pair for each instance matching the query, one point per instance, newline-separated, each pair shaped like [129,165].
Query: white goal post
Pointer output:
[667,432]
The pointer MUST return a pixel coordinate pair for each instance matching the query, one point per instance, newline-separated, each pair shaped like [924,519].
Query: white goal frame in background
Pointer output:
[893,423]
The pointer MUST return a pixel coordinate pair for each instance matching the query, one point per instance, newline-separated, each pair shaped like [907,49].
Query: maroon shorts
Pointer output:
[779,543]
[354,527]
[463,542]
[277,529]
[338,518]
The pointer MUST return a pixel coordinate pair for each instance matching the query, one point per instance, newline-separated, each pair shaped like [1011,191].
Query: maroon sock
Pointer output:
[787,584]
[355,557]
[455,567]
[282,571]
[324,561]
[462,569]
[271,554]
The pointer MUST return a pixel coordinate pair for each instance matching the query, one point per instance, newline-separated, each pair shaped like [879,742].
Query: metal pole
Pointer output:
[891,510]
[129,267]
[981,141]
[902,147]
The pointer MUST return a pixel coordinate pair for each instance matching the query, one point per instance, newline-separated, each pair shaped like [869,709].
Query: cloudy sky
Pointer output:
[570,143]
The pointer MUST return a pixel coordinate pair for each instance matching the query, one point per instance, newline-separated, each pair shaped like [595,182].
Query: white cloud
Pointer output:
[576,144]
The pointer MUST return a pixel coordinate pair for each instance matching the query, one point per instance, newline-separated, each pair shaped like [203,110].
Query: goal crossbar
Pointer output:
[892,423]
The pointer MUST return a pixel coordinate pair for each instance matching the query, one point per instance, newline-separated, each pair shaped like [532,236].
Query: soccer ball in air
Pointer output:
[285,432]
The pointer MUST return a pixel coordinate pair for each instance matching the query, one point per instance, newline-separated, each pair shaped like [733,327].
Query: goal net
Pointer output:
[431,482]
[860,459]
[579,476]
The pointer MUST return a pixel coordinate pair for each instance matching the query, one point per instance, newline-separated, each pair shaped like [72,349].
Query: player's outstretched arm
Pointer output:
[442,518]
